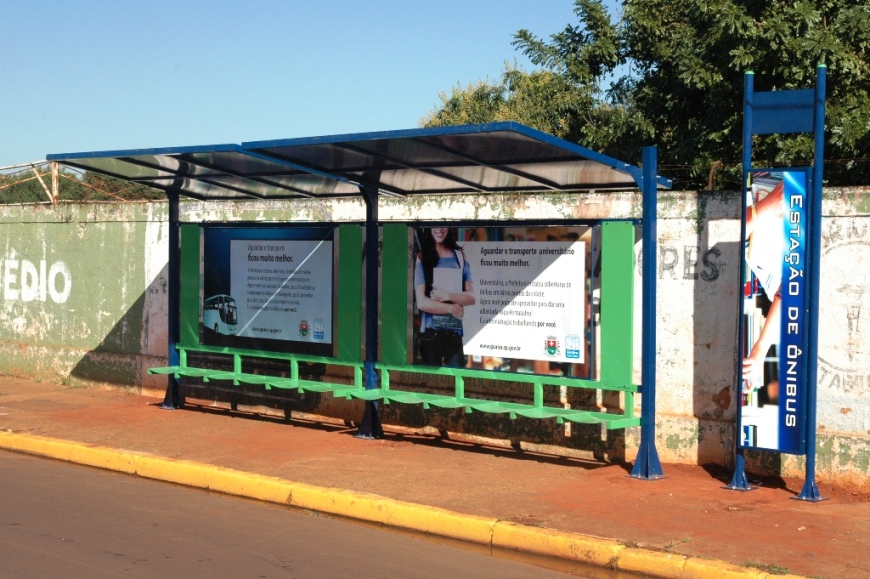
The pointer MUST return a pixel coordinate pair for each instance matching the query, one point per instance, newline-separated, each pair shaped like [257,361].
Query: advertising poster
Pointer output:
[772,412]
[268,289]
[501,300]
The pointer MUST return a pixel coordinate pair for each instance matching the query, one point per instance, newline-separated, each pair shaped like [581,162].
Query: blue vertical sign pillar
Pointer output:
[370,427]
[647,466]
[781,226]
[172,399]
[810,491]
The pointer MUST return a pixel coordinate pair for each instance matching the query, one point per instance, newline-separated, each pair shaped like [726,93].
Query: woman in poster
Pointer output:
[442,288]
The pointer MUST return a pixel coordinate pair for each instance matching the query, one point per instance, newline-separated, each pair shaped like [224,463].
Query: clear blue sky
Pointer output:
[91,75]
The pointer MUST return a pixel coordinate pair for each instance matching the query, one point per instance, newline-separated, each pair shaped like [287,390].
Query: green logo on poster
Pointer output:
[303,328]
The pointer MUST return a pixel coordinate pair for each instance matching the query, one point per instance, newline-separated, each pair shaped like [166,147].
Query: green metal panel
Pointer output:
[189,303]
[394,292]
[617,302]
[348,324]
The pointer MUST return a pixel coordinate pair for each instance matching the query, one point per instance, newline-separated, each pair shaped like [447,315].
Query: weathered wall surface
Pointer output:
[83,291]
[98,312]
[698,292]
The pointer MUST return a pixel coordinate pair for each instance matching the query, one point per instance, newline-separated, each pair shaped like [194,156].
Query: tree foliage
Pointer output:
[675,70]
[24,187]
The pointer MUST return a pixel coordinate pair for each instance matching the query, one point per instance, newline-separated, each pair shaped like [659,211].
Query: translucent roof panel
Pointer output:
[496,157]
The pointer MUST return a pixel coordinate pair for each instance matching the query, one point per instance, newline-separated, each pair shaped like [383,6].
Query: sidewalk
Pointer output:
[687,513]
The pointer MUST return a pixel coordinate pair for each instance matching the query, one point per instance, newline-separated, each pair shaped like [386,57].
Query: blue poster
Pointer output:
[268,288]
[774,311]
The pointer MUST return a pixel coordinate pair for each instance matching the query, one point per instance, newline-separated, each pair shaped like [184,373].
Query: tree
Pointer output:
[541,99]
[680,66]
[24,187]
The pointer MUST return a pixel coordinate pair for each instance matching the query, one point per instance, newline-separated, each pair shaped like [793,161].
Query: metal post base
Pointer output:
[173,399]
[810,493]
[647,465]
[739,482]
[371,428]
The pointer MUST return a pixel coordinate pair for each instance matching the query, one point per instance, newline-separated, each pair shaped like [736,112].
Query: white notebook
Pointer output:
[447,278]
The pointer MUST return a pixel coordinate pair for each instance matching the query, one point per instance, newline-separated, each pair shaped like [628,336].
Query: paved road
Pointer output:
[64,520]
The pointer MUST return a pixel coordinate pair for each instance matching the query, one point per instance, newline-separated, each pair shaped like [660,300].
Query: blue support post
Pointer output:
[370,427]
[647,465]
[810,492]
[172,400]
[739,481]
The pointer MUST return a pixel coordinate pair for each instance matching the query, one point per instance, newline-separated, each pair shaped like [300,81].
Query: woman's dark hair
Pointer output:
[428,254]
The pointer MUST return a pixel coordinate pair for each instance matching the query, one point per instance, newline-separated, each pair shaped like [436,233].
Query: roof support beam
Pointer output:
[51,197]
[371,423]
[172,399]
[256,179]
[505,169]
[146,180]
[441,174]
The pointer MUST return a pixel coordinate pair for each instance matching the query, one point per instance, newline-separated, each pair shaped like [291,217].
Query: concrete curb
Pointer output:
[373,508]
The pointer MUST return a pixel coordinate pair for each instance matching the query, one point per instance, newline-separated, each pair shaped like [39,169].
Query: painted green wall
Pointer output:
[74,285]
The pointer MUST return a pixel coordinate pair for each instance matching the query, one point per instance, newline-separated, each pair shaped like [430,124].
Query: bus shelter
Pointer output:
[315,301]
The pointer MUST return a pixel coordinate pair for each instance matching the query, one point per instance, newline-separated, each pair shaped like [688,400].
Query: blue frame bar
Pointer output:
[739,482]
[810,491]
[173,400]
[370,427]
[647,465]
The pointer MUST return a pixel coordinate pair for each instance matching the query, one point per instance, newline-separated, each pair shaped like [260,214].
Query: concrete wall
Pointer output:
[83,292]
[98,312]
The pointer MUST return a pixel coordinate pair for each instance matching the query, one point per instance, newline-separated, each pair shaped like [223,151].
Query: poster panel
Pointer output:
[504,298]
[268,288]
[772,410]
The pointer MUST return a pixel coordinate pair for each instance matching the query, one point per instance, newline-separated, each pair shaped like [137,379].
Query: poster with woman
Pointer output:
[443,287]
[503,298]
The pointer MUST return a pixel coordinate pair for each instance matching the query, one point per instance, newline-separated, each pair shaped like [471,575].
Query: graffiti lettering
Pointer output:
[844,359]
[838,230]
[711,266]
[26,281]
[668,260]
[709,269]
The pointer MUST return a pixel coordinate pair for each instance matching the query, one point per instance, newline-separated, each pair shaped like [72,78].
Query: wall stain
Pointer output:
[723,398]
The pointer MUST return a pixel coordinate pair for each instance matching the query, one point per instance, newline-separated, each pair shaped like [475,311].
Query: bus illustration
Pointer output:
[219,314]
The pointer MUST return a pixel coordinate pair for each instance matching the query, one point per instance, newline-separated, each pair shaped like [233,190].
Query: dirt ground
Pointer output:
[687,512]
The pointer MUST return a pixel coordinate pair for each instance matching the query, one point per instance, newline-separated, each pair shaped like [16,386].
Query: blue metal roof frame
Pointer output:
[487,158]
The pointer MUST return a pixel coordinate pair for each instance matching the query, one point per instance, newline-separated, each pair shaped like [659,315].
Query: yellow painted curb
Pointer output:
[101,457]
[440,522]
[665,565]
[704,569]
[394,513]
[337,502]
[34,444]
[181,472]
[600,552]
[373,508]
[252,486]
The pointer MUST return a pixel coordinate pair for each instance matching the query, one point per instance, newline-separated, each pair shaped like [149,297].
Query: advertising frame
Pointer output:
[774,334]
[790,112]
[495,240]
[219,261]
